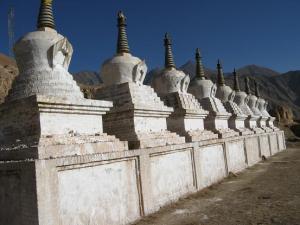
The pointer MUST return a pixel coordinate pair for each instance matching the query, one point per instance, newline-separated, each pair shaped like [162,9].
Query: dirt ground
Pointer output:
[268,193]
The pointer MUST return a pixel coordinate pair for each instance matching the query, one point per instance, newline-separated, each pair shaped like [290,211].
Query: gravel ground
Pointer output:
[268,193]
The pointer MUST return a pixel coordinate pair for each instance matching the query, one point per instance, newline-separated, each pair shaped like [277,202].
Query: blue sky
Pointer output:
[239,32]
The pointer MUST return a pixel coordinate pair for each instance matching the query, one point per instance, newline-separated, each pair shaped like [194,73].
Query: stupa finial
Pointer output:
[122,45]
[45,18]
[236,85]
[247,86]
[169,60]
[257,94]
[199,67]
[220,77]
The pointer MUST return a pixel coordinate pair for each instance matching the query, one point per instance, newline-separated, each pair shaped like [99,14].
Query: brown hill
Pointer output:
[8,72]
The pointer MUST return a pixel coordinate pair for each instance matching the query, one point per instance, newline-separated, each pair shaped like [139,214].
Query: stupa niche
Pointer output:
[171,85]
[45,108]
[227,95]
[138,115]
[205,90]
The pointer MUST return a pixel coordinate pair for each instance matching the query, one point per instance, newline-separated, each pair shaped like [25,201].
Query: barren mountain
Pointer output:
[8,72]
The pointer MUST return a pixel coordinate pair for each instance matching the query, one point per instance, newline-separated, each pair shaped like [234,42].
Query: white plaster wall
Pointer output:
[252,150]
[211,163]
[171,177]
[235,154]
[150,124]
[59,123]
[252,124]
[273,143]
[264,146]
[99,195]
[240,123]
[193,124]
[221,124]
[262,123]
[281,141]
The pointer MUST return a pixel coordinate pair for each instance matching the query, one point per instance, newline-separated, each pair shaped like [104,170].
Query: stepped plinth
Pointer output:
[188,116]
[44,112]
[138,115]
[217,120]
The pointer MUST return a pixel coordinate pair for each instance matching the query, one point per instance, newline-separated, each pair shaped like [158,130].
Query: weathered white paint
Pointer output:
[273,143]
[264,146]
[193,124]
[150,124]
[171,177]
[99,195]
[235,154]
[252,150]
[221,123]
[59,123]
[212,167]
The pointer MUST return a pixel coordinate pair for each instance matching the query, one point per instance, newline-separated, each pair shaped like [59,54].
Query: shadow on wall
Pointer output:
[296,129]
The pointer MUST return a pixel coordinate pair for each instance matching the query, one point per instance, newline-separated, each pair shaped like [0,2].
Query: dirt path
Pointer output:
[268,193]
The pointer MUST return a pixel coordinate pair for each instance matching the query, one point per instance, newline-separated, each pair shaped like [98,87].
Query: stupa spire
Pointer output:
[257,94]
[169,60]
[236,85]
[45,18]
[247,86]
[220,76]
[199,67]
[122,45]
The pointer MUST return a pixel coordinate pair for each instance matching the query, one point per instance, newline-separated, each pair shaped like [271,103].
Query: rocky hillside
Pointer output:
[8,72]
[281,90]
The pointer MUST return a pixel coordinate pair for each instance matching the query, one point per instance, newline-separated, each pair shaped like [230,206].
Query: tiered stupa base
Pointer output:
[188,117]
[138,116]
[219,125]
[251,123]
[237,120]
[199,135]
[49,127]
[217,120]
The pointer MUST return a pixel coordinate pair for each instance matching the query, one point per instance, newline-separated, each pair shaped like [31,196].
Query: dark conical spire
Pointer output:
[199,67]
[220,77]
[257,94]
[46,15]
[247,86]
[169,60]
[236,85]
[122,45]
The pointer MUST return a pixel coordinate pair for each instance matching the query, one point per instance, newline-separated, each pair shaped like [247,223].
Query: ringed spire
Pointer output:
[236,85]
[122,44]
[220,77]
[46,18]
[247,86]
[199,66]
[169,59]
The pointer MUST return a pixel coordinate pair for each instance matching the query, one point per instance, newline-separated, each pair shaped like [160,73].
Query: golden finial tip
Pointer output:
[121,15]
